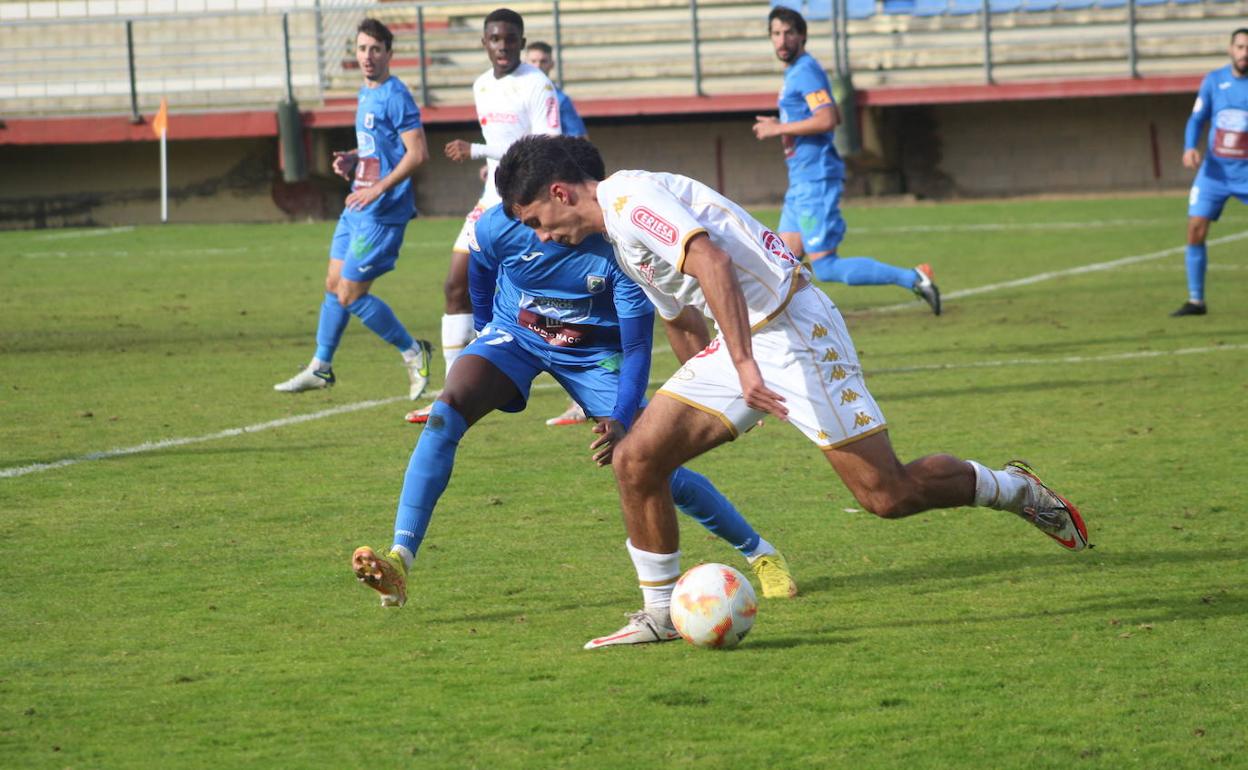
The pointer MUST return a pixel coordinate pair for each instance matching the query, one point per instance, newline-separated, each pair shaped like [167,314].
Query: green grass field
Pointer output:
[189,604]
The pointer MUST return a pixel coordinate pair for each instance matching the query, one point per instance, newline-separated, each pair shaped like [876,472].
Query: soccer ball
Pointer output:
[713,605]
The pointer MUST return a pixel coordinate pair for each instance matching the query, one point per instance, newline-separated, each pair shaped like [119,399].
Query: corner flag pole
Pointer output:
[160,126]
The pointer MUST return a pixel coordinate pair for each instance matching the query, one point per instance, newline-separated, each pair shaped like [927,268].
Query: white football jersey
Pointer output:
[650,218]
[520,103]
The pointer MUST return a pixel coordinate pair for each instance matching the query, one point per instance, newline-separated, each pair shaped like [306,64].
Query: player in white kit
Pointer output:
[782,349]
[513,99]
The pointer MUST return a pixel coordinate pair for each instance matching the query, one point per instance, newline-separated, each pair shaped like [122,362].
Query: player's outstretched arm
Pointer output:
[717,277]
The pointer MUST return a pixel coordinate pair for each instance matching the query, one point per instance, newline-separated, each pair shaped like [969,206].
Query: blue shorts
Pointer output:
[813,209]
[593,386]
[367,249]
[1209,195]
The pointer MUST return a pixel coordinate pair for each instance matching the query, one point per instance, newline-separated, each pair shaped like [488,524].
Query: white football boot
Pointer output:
[418,368]
[644,627]
[307,379]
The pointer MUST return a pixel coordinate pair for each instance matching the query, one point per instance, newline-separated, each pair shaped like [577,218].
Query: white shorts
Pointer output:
[806,355]
[468,233]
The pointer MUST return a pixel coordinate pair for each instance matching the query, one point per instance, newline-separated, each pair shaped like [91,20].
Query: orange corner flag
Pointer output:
[160,123]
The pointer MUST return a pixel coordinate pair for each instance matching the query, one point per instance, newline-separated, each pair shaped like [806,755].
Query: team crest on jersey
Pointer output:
[775,245]
[594,284]
[655,225]
[368,120]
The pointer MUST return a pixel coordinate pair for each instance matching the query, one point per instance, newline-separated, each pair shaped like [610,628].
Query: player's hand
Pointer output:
[360,198]
[344,162]
[1191,158]
[485,171]
[610,433]
[458,150]
[766,126]
[758,396]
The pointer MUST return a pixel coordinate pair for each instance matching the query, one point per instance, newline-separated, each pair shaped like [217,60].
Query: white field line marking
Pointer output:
[1093,224]
[1135,354]
[1041,277]
[85,233]
[154,446]
[124,253]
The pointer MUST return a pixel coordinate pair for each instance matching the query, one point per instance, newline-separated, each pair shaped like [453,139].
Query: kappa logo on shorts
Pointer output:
[862,420]
[654,224]
[849,396]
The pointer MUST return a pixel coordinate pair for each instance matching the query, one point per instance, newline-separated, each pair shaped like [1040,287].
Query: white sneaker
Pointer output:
[642,628]
[418,368]
[307,379]
[573,415]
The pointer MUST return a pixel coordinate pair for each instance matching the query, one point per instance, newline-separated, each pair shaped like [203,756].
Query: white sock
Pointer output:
[407,556]
[411,353]
[318,365]
[763,548]
[457,332]
[656,574]
[998,489]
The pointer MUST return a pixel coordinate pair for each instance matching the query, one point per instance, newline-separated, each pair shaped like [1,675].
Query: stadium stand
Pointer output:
[233,57]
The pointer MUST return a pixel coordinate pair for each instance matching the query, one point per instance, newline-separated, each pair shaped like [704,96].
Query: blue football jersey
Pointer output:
[1223,102]
[563,302]
[569,118]
[805,90]
[383,114]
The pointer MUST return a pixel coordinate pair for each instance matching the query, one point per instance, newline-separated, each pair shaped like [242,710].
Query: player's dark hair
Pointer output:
[534,162]
[787,16]
[538,45]
[505,15]
[377,31]
[1238,32]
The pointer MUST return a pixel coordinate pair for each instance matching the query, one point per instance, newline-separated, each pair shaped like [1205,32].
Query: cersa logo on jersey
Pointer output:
[654,224]
[594,284]
[500,117]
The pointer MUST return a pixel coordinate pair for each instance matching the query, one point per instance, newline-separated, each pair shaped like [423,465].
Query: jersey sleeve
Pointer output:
[482,272]
[812,84]
[569,118]
[543,108]
[403,112]
[1201,111]
[652,218]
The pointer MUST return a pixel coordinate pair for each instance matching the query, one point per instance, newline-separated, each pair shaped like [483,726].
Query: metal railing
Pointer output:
[247,53]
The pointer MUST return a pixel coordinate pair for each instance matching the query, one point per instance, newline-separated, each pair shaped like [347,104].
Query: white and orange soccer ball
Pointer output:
[713,605]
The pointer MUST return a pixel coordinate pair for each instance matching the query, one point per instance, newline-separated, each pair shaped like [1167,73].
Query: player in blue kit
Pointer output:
[542,56]
[390,146]
[1223,102]
[810,222]
[570,312]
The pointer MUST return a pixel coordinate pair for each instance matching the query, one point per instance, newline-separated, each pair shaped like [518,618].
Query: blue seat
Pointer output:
[859,9]
[1151,2]
[795,5]
[899,7]
[936,7]
[1075,5]
[1186,2]
[1110,4]
[1039,6]
[964,7]
[1005,6]
[817,10]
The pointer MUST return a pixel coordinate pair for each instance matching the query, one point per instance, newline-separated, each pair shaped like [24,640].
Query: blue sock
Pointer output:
[862,271]
[428,472]
[1197,260]
[696,496]
[334,318]
[378,317]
